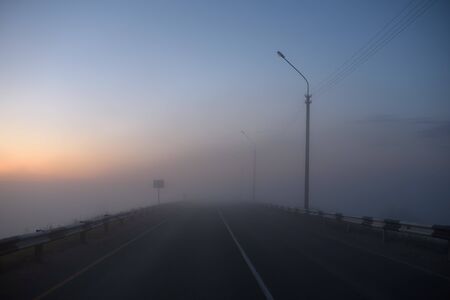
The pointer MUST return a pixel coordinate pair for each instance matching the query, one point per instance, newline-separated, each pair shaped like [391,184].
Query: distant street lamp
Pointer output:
[308,102]
[254,165]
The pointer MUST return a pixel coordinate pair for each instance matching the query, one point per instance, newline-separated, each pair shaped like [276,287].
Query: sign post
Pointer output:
[158,184]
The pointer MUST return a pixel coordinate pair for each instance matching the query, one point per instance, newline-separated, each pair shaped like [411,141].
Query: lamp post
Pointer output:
[308,102]
[254,165]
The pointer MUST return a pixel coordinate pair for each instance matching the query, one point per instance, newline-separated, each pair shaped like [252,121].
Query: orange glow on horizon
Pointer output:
[44,161]
[53,156]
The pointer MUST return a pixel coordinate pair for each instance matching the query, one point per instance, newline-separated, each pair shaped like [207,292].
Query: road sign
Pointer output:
[158,184]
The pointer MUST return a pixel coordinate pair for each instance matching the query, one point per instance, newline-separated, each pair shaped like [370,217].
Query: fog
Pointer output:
[357,169]
[96,103]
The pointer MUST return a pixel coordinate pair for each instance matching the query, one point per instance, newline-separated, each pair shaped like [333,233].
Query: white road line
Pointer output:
[96,262]
[255,273]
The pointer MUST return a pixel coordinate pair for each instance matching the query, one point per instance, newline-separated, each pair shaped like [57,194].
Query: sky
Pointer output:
[98,98]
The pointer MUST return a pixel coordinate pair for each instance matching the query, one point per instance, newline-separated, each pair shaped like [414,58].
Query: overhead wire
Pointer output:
[366,45]
[375,45]
[390,30]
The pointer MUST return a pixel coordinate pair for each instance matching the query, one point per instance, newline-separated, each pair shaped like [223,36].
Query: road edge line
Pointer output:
[252,268]
[96,262]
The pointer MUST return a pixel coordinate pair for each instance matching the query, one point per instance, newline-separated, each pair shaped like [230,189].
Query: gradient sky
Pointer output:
[101,87]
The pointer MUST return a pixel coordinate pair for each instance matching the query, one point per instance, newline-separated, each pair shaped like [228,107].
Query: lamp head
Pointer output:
[280,54]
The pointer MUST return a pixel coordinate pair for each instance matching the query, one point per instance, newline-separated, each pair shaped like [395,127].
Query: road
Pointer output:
[242,252]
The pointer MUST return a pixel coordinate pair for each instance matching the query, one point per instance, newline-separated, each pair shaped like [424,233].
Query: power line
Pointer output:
[372,47]
[389,35]
[400,22]
[377,48]
[365,46]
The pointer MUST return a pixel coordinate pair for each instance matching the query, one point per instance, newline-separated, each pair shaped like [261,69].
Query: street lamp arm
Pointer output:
[301,74]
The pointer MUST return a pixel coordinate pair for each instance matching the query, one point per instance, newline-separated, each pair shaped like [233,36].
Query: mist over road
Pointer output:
[204,251]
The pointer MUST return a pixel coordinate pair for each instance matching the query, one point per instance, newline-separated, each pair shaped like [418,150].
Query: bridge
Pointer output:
[190,250]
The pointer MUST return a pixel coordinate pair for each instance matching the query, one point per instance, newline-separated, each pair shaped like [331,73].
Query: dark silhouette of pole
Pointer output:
[308,102]
[254,165]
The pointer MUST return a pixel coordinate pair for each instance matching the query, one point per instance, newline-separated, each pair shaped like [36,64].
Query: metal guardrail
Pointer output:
[435,231]
[40,237]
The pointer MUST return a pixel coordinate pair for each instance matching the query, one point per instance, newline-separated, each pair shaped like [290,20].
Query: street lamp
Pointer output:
[254,164]
[308,102]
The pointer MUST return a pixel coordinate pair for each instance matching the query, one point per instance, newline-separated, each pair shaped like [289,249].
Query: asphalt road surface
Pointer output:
[241,252]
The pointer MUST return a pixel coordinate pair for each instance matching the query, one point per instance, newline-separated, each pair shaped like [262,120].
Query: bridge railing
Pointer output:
[434,231]
[41,237]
